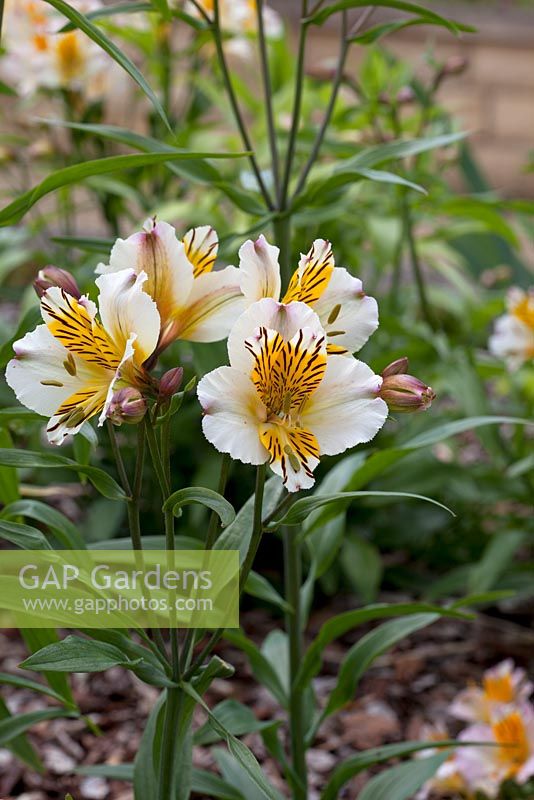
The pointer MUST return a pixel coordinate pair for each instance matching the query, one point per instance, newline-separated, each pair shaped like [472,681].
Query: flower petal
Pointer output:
[212,307]
[158,252]
[201,248]
[260,270]
[512,341]
[294,454]
[348,316]
[268,313]
[126,309]
[312,275]
[232,415]
[345,411]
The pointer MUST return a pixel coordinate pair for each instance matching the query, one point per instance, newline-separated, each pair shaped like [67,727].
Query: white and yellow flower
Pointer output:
[283,400]
[72,367]
[194,301]
[509,756]
[347,314]
[448,779]
[513,338]
[37,55]
[504,684]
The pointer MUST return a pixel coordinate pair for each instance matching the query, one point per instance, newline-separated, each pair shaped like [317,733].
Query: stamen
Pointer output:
[336,333]
[286,404]
[52,383]
[293,460]
[70,365]
[334,314]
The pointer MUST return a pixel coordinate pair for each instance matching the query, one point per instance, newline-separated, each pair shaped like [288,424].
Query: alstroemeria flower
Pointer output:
[347,314]
[239,18]
[504,684]
[70,368]
[484,769]
[194,302]
[447,779]
[282,400]
[513,339]
[37,55]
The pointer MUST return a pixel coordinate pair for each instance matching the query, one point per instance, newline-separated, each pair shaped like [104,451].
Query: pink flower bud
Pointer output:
[405,95]
[396,367]
[54,276]
[170,382]
[127,405]
[404,393]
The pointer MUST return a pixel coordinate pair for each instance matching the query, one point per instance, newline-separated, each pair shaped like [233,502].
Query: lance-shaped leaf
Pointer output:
[412,8]
[67,533]
[401,783]
[12,727]
[75,654]
[204,497]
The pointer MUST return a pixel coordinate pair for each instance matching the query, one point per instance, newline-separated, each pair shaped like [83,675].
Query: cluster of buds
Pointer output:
[127,405]
[402,392]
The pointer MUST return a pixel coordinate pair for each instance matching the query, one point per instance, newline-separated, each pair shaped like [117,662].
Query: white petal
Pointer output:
[357,316]
[212,307]
[158,252]
[513,341]
[260,270]
[232,414]
[287,319]
[41,358]
[201,248]
[126,309]
[345,410]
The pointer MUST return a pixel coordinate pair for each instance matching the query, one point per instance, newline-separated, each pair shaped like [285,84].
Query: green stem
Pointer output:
[293,580]
[268,92]
[217,37]
[282,235]
[167,782]
[409,236]
[297,103]
[257,531]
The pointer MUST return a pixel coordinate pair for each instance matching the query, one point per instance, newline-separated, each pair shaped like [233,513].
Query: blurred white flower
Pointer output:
[282,400]
[509,754]
[513,338]
[38,56]
[447,779]
[239,19]
[504,684]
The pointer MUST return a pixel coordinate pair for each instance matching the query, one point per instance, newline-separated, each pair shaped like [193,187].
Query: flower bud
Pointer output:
[404,393]
[455,65]
[396,367]
[405,95]
[127,405]
[170,382]
[54,276]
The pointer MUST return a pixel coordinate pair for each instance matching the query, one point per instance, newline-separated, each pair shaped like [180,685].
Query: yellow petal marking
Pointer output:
[85,337]
[524,310]
[285,374]
[292,447]
[499,689]
[312,277]
[201,248]
[70,55]
[511,734]
[80,406]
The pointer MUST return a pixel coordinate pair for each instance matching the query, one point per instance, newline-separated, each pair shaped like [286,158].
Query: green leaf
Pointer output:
[9,480]
[149,668]
[372,35]
[412,8]
[306,505]
[441,432]
[67,533]
[15,211]
[12,727]
[237,535]
[263,670]
[88,244]
[24,536]
[369,758]
[27,459]
[163,7]
[204,497]
[389,177]
[240,751]
[115,772]
[342,623]
[145,770]
[360,657]
[110,11]
[497,557]
[258,586]
[362,564]
[482,599]
[75,654]
[206,784]
[38,638]
[100,38]
[25,683]
[401,783]
[30,319]
[237,718]
[20,746]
